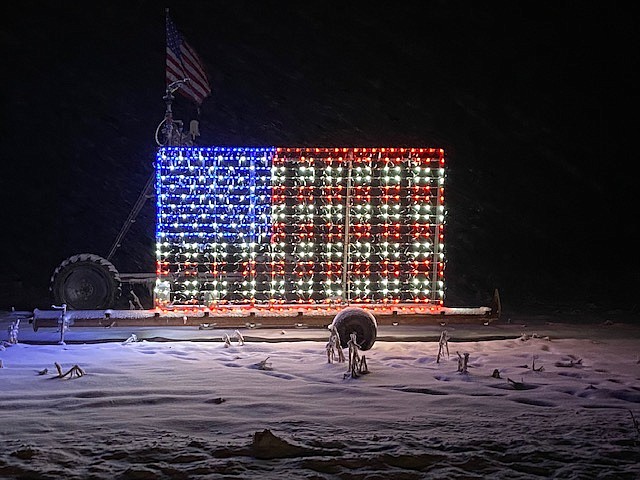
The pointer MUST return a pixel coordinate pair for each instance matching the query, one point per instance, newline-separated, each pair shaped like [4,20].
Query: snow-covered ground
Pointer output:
[193,407]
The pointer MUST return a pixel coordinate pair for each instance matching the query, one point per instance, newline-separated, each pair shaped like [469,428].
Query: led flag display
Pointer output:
[299,226]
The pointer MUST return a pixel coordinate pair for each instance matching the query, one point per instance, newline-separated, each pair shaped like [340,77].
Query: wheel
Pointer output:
[85,282]
[356,320]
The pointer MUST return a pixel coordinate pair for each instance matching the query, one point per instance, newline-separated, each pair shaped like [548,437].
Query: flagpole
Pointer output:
[168,99]
[186,73]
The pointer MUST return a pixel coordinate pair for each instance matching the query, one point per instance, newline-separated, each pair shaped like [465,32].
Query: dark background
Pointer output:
[532,102]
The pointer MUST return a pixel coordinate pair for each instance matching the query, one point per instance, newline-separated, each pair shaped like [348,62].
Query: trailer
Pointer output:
[279,236]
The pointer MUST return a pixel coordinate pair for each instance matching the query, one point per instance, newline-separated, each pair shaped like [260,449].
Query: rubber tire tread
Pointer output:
[107,271]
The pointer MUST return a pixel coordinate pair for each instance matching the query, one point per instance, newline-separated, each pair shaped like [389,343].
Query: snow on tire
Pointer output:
[85,282]
[353,319]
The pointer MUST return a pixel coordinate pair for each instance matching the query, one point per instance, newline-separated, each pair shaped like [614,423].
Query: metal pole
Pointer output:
[346,293]
[436,244]
[63,321]
[168,117]
[146,193]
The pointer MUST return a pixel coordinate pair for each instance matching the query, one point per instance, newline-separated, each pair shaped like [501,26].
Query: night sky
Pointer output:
[532,102]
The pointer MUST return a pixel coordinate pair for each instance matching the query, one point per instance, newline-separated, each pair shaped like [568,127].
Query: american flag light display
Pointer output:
[299,226]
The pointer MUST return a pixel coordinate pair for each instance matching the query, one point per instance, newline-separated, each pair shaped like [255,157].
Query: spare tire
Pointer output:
[353,319]
[85,282]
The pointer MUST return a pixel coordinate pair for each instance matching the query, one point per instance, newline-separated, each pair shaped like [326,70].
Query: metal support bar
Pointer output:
[146,193]
[63,321]
[436,246]
[346,293]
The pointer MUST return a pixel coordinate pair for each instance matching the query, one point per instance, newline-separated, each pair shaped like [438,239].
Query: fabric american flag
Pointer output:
[182,63]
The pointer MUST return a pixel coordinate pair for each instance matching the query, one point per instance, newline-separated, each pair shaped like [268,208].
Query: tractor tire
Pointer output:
[356,320]
[85,282]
